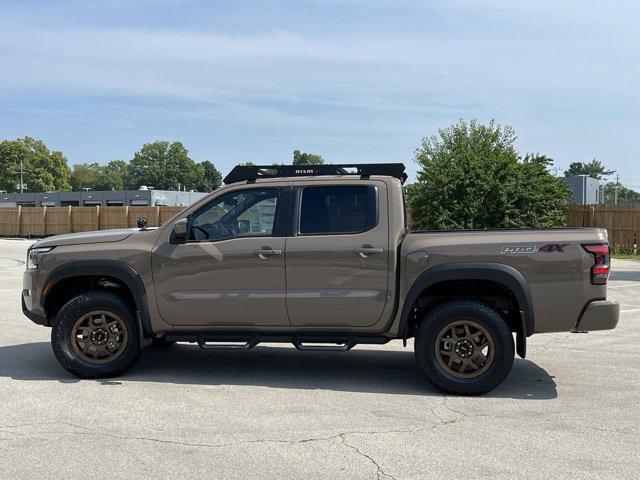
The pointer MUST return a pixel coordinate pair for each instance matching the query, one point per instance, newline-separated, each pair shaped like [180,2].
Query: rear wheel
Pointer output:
[464,347]
[95,335]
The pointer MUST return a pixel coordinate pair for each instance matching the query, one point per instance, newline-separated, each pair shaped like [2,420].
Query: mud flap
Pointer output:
[521,337]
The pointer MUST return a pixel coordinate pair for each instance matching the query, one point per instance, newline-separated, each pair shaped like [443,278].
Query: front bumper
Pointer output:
[31,305]
[599,315]
[33,316]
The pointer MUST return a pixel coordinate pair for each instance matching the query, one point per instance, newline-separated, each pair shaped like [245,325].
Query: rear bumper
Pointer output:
[599,315]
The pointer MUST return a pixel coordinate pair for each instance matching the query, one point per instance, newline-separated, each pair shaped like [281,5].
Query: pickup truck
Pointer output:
[319,256]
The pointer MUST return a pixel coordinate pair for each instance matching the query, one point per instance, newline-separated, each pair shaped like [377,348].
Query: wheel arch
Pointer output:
[113,269]
[505,275]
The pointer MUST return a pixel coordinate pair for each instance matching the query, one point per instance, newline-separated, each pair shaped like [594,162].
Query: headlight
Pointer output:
[33,254]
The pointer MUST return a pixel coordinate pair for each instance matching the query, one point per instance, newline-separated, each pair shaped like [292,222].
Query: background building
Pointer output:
[585,189]
[115,198]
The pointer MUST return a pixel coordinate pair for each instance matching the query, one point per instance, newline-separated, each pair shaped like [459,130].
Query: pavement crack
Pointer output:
[380,473]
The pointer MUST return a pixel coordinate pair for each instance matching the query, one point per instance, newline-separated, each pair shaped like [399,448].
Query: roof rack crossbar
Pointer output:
[251,173]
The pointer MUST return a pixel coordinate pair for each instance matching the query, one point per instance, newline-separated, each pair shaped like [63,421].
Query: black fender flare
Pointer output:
[109,268]
[506,275]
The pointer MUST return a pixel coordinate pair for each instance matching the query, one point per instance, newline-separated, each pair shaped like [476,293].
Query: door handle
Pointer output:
[367,250]
[263,253]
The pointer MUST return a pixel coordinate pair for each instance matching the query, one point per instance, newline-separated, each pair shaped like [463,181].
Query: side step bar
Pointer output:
[302,342]
[248,345]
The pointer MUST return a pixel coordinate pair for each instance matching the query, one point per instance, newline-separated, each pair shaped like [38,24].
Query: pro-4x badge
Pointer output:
[553,247]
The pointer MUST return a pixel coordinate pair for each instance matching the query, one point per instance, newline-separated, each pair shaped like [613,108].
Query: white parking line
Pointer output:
[12,290]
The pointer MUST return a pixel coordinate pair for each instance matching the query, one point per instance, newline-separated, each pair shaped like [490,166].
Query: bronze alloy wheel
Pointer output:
[464,349]
[99,337]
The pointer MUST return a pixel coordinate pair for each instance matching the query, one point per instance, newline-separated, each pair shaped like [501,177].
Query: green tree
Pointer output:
[594,169]
[83,175]
[96,177]
[210,178]
[301,158]
[120,169]
[625,194]
[471,176]
[45,170]
[163,166]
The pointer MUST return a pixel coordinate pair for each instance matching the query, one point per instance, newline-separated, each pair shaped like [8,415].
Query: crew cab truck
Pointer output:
[319,256]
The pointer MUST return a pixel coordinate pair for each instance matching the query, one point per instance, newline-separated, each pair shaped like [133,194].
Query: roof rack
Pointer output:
[251,173]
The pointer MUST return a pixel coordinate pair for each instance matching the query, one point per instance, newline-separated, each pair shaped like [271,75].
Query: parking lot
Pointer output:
[571,409]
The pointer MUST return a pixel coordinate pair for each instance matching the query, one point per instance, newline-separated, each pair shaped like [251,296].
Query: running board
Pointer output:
[340,345]
[225,345]
[302,342]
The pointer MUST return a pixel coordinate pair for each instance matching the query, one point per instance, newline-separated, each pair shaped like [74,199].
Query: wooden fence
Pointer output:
[42,221]
[622,222]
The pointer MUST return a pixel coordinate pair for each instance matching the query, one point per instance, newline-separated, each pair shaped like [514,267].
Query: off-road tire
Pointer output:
[445,314]
[76,308]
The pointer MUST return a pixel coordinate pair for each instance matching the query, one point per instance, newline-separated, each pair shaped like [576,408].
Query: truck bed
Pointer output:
[552,261]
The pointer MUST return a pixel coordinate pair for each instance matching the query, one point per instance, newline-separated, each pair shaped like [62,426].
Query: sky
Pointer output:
[352,80]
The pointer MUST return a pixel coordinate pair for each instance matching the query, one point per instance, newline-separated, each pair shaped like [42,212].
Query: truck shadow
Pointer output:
[363,370]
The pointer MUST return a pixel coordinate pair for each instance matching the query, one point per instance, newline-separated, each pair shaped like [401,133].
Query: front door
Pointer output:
[230,271]
[338,261]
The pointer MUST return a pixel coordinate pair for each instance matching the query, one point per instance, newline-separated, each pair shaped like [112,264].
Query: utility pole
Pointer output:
[616,188]
[21,173]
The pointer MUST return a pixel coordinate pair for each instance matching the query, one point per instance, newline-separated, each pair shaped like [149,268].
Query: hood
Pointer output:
[99,236]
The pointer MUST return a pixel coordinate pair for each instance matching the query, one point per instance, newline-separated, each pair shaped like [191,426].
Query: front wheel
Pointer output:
[96,336]
[464,347]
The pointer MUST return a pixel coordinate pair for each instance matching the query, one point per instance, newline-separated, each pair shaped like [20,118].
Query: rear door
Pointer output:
[337,262]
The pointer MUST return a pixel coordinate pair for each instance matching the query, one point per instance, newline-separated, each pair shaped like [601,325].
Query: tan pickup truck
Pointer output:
[321,257]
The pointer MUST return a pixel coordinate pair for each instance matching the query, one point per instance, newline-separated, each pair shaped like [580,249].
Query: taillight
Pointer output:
[602,258]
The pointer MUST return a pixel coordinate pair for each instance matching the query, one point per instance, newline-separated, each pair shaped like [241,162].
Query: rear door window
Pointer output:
[338,210]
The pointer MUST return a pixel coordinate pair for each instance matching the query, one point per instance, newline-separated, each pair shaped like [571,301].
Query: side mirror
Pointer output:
[180,229]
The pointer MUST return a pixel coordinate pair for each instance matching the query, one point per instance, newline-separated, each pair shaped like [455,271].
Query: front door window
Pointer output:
[244,213]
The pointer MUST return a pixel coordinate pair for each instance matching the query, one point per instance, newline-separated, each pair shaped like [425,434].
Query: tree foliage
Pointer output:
[594,169]
[625,194]
[471,176]
[210,179]
[45,170]
[99,177]
[163,166]
[301,158]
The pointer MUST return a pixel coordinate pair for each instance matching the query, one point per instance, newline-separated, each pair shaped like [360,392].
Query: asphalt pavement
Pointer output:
[570,410]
